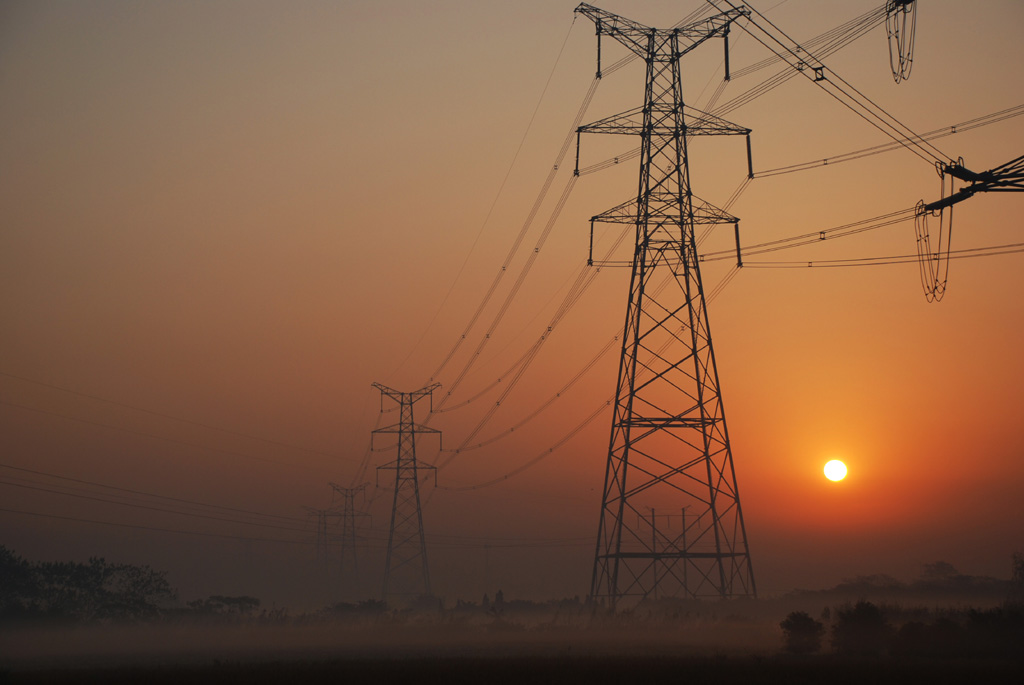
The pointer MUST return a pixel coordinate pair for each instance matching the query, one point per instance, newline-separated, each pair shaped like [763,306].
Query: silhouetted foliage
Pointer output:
[964,634]
[861,629]
[939,570]
[18,586]
[939,581]
[802,633]
[225,608]
[1017,577]
[70,591]
[996,632]
[941,639]
[369,608]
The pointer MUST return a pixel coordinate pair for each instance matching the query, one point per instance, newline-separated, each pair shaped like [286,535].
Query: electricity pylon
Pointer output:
[669,448]
[405,572]
[348,515]
[323,552]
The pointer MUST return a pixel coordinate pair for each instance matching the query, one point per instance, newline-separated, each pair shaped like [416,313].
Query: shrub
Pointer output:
[861,629]
[802,633]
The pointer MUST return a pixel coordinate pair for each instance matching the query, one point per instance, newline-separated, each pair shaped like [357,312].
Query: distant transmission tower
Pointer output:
[322,545]
[348,514]
[669,447]
[405,571]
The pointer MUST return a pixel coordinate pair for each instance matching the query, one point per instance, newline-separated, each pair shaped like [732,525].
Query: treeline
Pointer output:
[939,581]
[868,630]
[102,592]
[74,592]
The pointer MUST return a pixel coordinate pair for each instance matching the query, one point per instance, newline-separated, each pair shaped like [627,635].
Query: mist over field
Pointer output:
[112,622]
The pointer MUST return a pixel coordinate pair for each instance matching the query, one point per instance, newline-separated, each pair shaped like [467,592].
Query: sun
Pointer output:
[835,470]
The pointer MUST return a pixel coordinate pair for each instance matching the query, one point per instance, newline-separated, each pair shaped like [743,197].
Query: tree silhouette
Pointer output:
[861,629]
[18,586]
[1017,577]
[802,633]
[94,591]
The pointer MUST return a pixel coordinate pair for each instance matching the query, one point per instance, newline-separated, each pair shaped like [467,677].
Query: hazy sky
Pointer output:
[222,221]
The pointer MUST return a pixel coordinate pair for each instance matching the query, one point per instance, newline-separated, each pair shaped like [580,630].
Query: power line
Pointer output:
[145,506]
[842,231]
[843,31]
[514,291]
[527,266]
[967,253]
[551,450]
[943,132]
[517,243]
[165,416]
[497,196]
[441,539]
[583,279]
[535,460]
[550,401]
[144,434]
[831,41]
[77,519]
[805,62]
[149,494]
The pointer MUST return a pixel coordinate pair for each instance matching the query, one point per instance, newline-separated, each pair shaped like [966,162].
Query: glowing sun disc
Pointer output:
[835,470]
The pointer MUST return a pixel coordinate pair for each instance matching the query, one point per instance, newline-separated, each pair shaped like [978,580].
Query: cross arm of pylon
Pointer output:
[637,37]
[420,466]
[695,121]
[398,428]
[717,25]
[347,492]
[632,34]
[703,213]
[402,428]
[397,395]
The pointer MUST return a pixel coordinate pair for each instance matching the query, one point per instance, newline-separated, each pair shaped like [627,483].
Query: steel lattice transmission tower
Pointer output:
[405,572]
[348,515]
[322,545]
[669,449]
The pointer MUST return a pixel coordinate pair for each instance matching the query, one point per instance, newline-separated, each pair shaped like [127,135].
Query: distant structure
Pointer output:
[406,574]
[669,449]
[322,554]
[349,516]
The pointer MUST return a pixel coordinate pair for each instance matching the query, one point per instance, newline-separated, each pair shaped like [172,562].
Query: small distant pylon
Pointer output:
[349,515]
[406,573]
[321,546]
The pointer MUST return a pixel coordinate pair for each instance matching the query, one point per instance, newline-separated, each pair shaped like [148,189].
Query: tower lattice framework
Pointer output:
[349,519]
[322,545]
[406,574]
[671,523]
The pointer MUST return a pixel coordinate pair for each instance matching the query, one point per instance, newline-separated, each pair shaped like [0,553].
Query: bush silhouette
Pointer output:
[802,633]
[861,629]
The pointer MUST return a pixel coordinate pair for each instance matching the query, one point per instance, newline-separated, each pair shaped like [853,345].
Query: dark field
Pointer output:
[565,669]
[718,652]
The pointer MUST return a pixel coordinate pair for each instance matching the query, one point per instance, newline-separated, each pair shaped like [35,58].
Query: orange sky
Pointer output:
[243,214]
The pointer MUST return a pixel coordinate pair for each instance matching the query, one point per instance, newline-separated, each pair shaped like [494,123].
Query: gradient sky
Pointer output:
[242,214]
